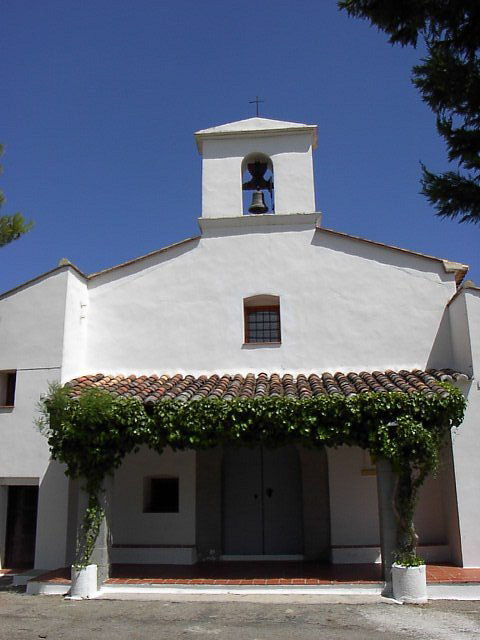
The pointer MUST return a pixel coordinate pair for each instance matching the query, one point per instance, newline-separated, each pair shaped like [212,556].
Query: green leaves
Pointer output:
[12,226]
[93,433]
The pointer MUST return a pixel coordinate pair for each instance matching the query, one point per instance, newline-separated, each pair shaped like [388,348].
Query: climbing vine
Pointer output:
[90,529]
[92,434]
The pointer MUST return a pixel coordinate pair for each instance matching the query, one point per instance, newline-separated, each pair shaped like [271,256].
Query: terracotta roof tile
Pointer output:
[151,389]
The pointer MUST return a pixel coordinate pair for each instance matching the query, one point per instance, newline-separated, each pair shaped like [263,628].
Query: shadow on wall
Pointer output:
[238,148]
[52,518]
[441,354]
[384,254]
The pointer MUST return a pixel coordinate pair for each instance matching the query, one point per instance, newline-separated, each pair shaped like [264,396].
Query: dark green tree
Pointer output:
[448,79]
[13,226]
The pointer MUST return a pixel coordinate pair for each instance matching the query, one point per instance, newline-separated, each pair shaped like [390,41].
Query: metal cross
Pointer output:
[256,101]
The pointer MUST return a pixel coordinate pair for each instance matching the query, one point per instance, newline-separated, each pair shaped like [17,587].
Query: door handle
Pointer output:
[269,492]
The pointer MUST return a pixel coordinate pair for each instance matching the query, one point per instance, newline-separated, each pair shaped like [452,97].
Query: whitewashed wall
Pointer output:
[31,325]
[353,499]
[291,156]
[355,535]
[465,320]
[75,326]
[33,320]
[345,305]
[130,526]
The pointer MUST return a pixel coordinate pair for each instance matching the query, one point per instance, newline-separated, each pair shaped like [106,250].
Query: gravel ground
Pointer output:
[261,618]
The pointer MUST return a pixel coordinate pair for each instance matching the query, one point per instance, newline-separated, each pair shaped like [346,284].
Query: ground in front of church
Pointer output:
[353,618]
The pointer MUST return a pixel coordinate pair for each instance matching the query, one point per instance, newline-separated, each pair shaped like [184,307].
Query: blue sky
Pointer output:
[100,100]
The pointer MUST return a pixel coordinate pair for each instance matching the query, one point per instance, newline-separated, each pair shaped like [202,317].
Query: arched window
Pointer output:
[262,319]
[257,184]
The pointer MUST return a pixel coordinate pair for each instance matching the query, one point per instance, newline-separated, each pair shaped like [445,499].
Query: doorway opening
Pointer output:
[21,530]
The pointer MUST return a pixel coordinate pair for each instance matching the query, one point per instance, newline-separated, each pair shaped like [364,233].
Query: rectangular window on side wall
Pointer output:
[8,381]
[161,495]
[262,319]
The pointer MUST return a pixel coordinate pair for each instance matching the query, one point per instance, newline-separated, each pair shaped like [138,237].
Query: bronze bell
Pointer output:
[258,203]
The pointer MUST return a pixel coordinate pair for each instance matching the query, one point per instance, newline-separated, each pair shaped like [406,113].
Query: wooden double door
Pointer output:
[262,502]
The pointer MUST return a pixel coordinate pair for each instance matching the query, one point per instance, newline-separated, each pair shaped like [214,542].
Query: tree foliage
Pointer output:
[448,79]
[12,226]
[93,433]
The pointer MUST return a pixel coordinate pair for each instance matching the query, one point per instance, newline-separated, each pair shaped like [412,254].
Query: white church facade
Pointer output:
[266,302]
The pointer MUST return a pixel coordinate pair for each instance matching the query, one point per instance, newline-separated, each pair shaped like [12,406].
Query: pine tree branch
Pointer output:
[454,196]
[12,227]
[449,82]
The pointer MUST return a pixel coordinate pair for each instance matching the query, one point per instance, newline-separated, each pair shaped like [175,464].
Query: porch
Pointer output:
[254,487]
[242,578]
[283,504]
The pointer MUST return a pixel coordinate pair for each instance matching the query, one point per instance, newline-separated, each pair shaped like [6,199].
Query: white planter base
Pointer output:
[84,582]
[409,584]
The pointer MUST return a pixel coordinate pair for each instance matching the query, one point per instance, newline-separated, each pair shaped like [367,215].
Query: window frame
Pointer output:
[253,308]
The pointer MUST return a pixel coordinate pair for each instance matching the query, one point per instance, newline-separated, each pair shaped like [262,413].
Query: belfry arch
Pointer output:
[257,180]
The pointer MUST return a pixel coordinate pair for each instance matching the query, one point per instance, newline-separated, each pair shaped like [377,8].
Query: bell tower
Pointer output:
[257,166]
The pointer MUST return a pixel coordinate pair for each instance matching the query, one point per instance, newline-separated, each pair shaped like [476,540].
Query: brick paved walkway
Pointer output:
[261,573]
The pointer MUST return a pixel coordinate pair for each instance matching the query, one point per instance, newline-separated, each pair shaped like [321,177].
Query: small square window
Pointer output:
[262,324]
[8,381]
[160,495]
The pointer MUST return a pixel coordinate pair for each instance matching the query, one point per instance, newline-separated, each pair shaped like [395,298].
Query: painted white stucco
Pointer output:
[464,314]
[346,305]
[33,327]
[32,322]
[184,309]
[289,148]
[355,535]
[130,524]
[153,537]
[353,499]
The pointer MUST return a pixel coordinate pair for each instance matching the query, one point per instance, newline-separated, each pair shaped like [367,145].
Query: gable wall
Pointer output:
[344,305]
[31,325]
[32,322]
[465,317]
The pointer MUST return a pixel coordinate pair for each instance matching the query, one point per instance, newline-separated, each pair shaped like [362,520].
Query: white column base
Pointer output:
[409,584]
[84,582]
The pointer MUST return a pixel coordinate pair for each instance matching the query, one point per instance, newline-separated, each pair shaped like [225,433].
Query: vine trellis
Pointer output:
[91,434]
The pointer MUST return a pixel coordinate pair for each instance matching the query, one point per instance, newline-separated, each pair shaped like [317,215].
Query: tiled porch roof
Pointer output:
[151,389]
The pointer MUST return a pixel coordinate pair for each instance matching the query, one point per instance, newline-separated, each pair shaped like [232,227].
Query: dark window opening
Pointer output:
[8,380]
[161,495]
